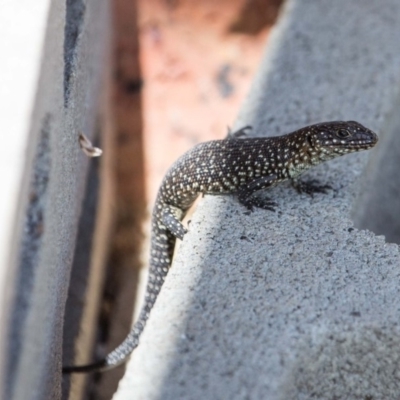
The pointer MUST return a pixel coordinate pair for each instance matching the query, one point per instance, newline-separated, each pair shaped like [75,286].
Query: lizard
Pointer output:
[236,165]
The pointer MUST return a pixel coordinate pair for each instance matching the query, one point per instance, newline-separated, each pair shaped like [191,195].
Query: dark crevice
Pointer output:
[30,250]
[80,268]
[75,11]
[123,262]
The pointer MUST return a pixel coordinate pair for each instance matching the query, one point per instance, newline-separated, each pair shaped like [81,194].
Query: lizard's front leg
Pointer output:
[246,193]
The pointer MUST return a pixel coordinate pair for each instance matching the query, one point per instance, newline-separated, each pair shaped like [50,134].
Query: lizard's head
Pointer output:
[341,137]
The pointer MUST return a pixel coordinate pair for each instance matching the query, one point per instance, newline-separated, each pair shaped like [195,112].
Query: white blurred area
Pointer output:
[22,32]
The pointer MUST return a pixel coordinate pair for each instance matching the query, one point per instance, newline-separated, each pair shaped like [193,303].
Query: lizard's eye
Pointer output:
[343,133]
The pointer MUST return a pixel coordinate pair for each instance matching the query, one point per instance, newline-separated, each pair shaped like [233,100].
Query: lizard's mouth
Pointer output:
[358,144]
[362,145]
[352,147]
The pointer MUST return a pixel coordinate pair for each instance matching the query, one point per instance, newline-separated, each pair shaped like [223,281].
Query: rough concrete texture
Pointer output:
[63,97]
[296,304]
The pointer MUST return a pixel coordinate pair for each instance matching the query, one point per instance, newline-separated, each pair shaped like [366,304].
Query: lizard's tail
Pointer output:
[162,248]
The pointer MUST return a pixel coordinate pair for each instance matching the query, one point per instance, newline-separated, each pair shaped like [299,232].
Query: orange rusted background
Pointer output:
[197,60]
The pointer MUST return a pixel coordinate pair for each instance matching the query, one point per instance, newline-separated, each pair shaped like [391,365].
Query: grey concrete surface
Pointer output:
[60,99]
[296,304]
[18,78]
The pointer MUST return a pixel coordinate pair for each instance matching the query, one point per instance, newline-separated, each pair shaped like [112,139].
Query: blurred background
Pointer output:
[197,60]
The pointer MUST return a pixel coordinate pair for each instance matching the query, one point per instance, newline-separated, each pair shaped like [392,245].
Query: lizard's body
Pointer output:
[230,166]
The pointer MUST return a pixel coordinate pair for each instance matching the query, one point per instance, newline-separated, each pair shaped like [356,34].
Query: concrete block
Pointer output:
[55,54]
[301,303]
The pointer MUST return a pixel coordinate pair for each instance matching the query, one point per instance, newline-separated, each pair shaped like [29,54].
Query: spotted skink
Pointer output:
[236,165]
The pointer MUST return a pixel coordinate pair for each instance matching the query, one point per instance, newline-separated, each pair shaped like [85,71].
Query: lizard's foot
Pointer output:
[310,187]
[239,133]
[265,203]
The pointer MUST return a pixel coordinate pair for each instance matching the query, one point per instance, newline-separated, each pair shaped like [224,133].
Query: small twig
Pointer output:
[87,146]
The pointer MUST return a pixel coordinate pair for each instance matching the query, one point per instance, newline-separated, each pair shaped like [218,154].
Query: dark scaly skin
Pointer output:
[231,166]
